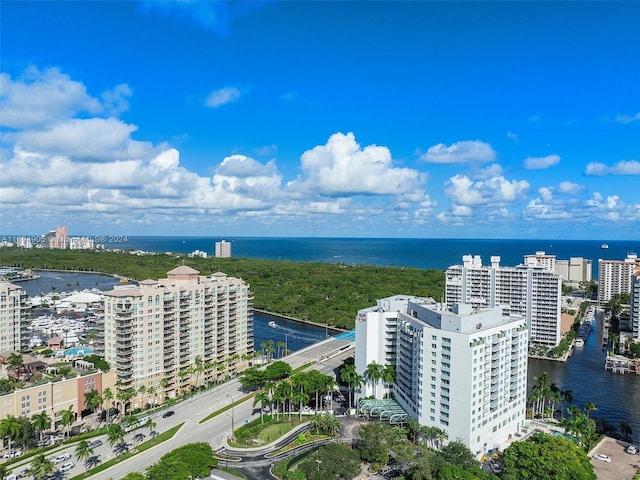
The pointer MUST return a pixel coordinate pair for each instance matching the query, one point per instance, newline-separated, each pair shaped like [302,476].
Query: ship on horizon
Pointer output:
[604,246]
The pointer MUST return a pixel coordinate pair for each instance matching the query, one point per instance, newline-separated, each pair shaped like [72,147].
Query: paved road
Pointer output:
[330,354]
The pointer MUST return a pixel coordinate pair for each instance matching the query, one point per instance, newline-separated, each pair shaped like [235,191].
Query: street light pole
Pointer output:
[232,424]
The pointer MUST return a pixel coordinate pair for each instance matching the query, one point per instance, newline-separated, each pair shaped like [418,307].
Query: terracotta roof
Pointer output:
[183,270]
[149,281]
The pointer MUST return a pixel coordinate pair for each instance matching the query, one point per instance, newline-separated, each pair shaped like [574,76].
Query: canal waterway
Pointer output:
[616,396]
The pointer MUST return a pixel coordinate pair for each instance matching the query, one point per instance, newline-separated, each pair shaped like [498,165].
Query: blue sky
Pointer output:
[350,119]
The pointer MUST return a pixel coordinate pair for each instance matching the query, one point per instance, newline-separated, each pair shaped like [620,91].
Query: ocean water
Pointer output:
[414,252]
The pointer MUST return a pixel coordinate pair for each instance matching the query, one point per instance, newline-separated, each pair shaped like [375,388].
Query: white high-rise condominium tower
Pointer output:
[530,291]
[615,276]
[223,249]
[162,327]
[463,370]
[12,311]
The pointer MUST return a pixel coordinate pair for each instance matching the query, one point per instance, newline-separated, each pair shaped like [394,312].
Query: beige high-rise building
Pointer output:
[165,328]
[615,276]
[12,317]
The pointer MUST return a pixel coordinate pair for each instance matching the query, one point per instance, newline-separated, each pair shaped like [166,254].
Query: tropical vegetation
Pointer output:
[194,460]
[546,457]
[314,291]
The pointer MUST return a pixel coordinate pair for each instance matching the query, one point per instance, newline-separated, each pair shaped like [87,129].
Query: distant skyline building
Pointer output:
[81,243]
[615,276]
[12,317]
[223,249]
[160,328]
[530,291]
[461,369]
[60,238]
[574,270]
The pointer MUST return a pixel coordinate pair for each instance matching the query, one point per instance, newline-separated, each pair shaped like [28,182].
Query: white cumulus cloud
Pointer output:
[40,98]
[494,191]
[460,152]
[342,167]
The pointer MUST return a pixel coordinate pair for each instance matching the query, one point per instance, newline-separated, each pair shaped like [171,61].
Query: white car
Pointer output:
[603,458]
[65,467]
[632,450]
[63,457]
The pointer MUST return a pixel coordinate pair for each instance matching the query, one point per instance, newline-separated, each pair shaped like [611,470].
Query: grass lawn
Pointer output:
[276,430]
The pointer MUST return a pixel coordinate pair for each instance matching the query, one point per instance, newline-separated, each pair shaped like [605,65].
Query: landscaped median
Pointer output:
[227,407]
[163,437]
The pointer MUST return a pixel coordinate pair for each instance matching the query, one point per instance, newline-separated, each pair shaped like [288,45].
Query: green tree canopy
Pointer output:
[331,462]
[192,460]
[315,291]
[545,457]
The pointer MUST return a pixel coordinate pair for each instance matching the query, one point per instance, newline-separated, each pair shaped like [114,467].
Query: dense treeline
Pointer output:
[318,292]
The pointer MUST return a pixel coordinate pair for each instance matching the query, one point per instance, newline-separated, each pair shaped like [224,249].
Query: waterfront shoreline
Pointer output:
[298,320]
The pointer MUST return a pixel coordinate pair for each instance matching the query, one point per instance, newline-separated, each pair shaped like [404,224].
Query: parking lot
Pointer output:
[623,466]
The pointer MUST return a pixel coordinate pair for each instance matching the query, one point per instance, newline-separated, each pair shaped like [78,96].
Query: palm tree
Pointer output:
[349,375]
[15,363]
[198,368]
[107,397]
[430,434]
[124,396]
[588,408]
[299,395]
[374,373]
[164,383]
[10,427]
[388,375]
[142,389]
[151,425]
[4,472]
[92,400]
[41,467]
[442,436]
[41,422]
[115,435]
[262,397]
[413,426]
[67,419]
[84,452]
[151,390]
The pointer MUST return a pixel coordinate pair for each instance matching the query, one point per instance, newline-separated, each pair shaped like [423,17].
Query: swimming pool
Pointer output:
[78,351]
[565,435]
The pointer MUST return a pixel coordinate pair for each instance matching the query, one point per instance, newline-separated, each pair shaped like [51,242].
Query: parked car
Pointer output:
[602,458]
[65,467]
[168,414]
[63,457]
[13,454]
[24,473]
[96,444]
[632,450]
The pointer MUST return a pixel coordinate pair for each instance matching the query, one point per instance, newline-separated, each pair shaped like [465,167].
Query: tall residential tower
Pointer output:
[12,317]
[163,328]
[531,291]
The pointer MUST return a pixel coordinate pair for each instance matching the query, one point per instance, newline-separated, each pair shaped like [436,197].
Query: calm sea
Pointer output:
[414,252]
